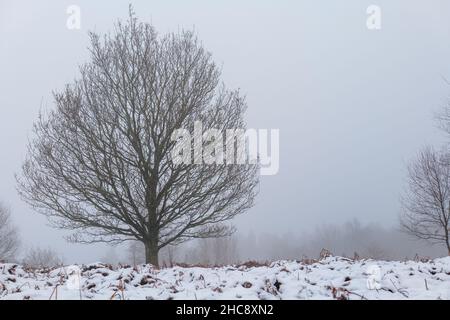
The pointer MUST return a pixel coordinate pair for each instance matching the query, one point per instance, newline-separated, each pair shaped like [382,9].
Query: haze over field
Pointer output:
[353,105]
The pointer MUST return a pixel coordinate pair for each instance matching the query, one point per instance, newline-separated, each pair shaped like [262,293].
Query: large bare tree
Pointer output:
[101,162]
[9,238]
[427,200]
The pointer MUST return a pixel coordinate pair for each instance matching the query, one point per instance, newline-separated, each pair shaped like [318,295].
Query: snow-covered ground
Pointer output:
[330,278]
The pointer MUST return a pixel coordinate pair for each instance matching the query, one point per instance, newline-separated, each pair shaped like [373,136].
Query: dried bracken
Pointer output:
[332,277]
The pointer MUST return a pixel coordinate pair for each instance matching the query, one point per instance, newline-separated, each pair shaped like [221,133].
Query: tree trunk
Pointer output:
[447,238]
[151,253]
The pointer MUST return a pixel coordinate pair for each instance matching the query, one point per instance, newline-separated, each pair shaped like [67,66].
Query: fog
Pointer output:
[353,107]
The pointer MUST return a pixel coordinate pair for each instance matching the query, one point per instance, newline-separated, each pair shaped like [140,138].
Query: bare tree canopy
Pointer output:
[100,163]
[9,238]
[427,200]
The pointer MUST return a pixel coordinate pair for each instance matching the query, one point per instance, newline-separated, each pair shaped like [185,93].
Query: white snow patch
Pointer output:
[330,278]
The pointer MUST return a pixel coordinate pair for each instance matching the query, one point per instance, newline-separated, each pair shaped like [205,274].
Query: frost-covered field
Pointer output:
[330,278]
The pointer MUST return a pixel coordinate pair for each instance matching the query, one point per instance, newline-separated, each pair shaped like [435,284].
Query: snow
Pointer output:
[330,278]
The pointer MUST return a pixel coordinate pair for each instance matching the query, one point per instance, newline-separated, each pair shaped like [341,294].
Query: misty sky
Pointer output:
[353,105]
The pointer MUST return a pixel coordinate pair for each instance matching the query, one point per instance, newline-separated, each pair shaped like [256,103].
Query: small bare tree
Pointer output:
[39,258]
[135,253]
[443,118]
[101,163]
[426,202]
[9,238]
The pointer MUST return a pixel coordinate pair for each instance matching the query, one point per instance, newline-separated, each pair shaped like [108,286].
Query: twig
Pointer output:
[116,294]
[55,291]
[358,295]
[398,290]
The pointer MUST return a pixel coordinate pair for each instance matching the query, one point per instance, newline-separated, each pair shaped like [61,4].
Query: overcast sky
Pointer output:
[353,105]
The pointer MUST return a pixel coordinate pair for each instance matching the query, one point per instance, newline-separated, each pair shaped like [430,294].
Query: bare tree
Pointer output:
[101,163]
[110,256]
[427,200]
[42,258]
[443,118]
[9,238]
[216,251]
[136,252]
